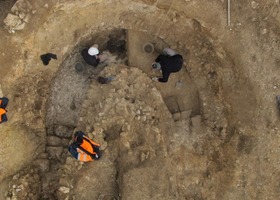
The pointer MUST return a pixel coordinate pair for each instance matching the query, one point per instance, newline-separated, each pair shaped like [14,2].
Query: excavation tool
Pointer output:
[228,13]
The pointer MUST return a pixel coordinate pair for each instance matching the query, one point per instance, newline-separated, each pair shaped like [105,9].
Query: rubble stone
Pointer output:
[54,141]
[54,152]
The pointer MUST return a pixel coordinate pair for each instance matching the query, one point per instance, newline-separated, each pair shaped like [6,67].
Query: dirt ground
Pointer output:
[211,132]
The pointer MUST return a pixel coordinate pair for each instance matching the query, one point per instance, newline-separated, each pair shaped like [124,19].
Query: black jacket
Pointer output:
[91,60]
[169,64]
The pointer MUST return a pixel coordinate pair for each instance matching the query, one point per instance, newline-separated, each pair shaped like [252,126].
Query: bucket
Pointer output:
[79,67]
[148,48]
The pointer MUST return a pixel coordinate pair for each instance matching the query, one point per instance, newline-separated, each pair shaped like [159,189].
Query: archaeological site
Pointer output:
[211,132]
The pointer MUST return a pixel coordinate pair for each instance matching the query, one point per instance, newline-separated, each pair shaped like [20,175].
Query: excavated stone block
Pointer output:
[196,121]
[63,131]
[54,152]
[53,141]
[65,142]
[14,22]
[176,116]
[186,114]
[43,165]
[172,104]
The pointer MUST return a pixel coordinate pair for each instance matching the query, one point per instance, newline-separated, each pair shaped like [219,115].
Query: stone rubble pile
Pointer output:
[19,16]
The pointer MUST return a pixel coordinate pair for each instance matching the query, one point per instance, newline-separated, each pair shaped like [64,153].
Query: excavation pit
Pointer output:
[219,124]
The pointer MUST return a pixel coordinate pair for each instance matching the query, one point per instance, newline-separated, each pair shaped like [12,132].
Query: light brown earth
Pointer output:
[211,132]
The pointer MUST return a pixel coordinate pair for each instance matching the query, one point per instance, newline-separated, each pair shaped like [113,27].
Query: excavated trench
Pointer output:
[69,89]
[188,139]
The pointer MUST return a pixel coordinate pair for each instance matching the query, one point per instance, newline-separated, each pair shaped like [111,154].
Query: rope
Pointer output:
[164,19]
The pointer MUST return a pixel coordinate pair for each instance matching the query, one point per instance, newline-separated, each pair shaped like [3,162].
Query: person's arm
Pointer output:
[94,61]
[165,76]
[159,58]
[73,151]
[97,61]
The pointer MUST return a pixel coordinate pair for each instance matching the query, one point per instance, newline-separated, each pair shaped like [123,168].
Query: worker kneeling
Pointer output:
[83,148]
[3,104]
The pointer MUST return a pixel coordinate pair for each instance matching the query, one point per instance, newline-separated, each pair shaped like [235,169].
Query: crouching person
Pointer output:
[84,149]
[3,104]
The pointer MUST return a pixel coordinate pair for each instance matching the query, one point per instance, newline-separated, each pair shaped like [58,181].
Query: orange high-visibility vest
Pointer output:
[2,112]
[82,156]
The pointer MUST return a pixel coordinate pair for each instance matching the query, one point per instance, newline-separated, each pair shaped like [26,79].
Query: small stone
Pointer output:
[22,15]
[101,197]
[26,19]
[64,190]
[18,190]
[43,165]
[254,4]
[176,116]
[20,27]
[104,145]
[79,167]
[46,5]
[33,12]
[263,31]
[143,157]
[144,118]
[69,161]
[63,181]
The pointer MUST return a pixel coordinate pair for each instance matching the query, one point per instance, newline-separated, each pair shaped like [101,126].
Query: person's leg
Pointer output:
[97,151]
[5,102]
[4,118]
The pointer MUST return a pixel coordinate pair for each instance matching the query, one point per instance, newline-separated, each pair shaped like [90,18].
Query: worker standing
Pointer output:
[168,62]
[83,148]
[3,104]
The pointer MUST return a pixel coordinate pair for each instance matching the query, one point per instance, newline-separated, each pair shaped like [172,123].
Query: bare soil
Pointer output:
[211,132]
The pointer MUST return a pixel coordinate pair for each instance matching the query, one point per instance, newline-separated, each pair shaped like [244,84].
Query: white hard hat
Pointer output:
[93,51]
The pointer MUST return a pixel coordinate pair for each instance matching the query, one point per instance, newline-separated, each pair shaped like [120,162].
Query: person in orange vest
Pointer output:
[3,104]
[84,149]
